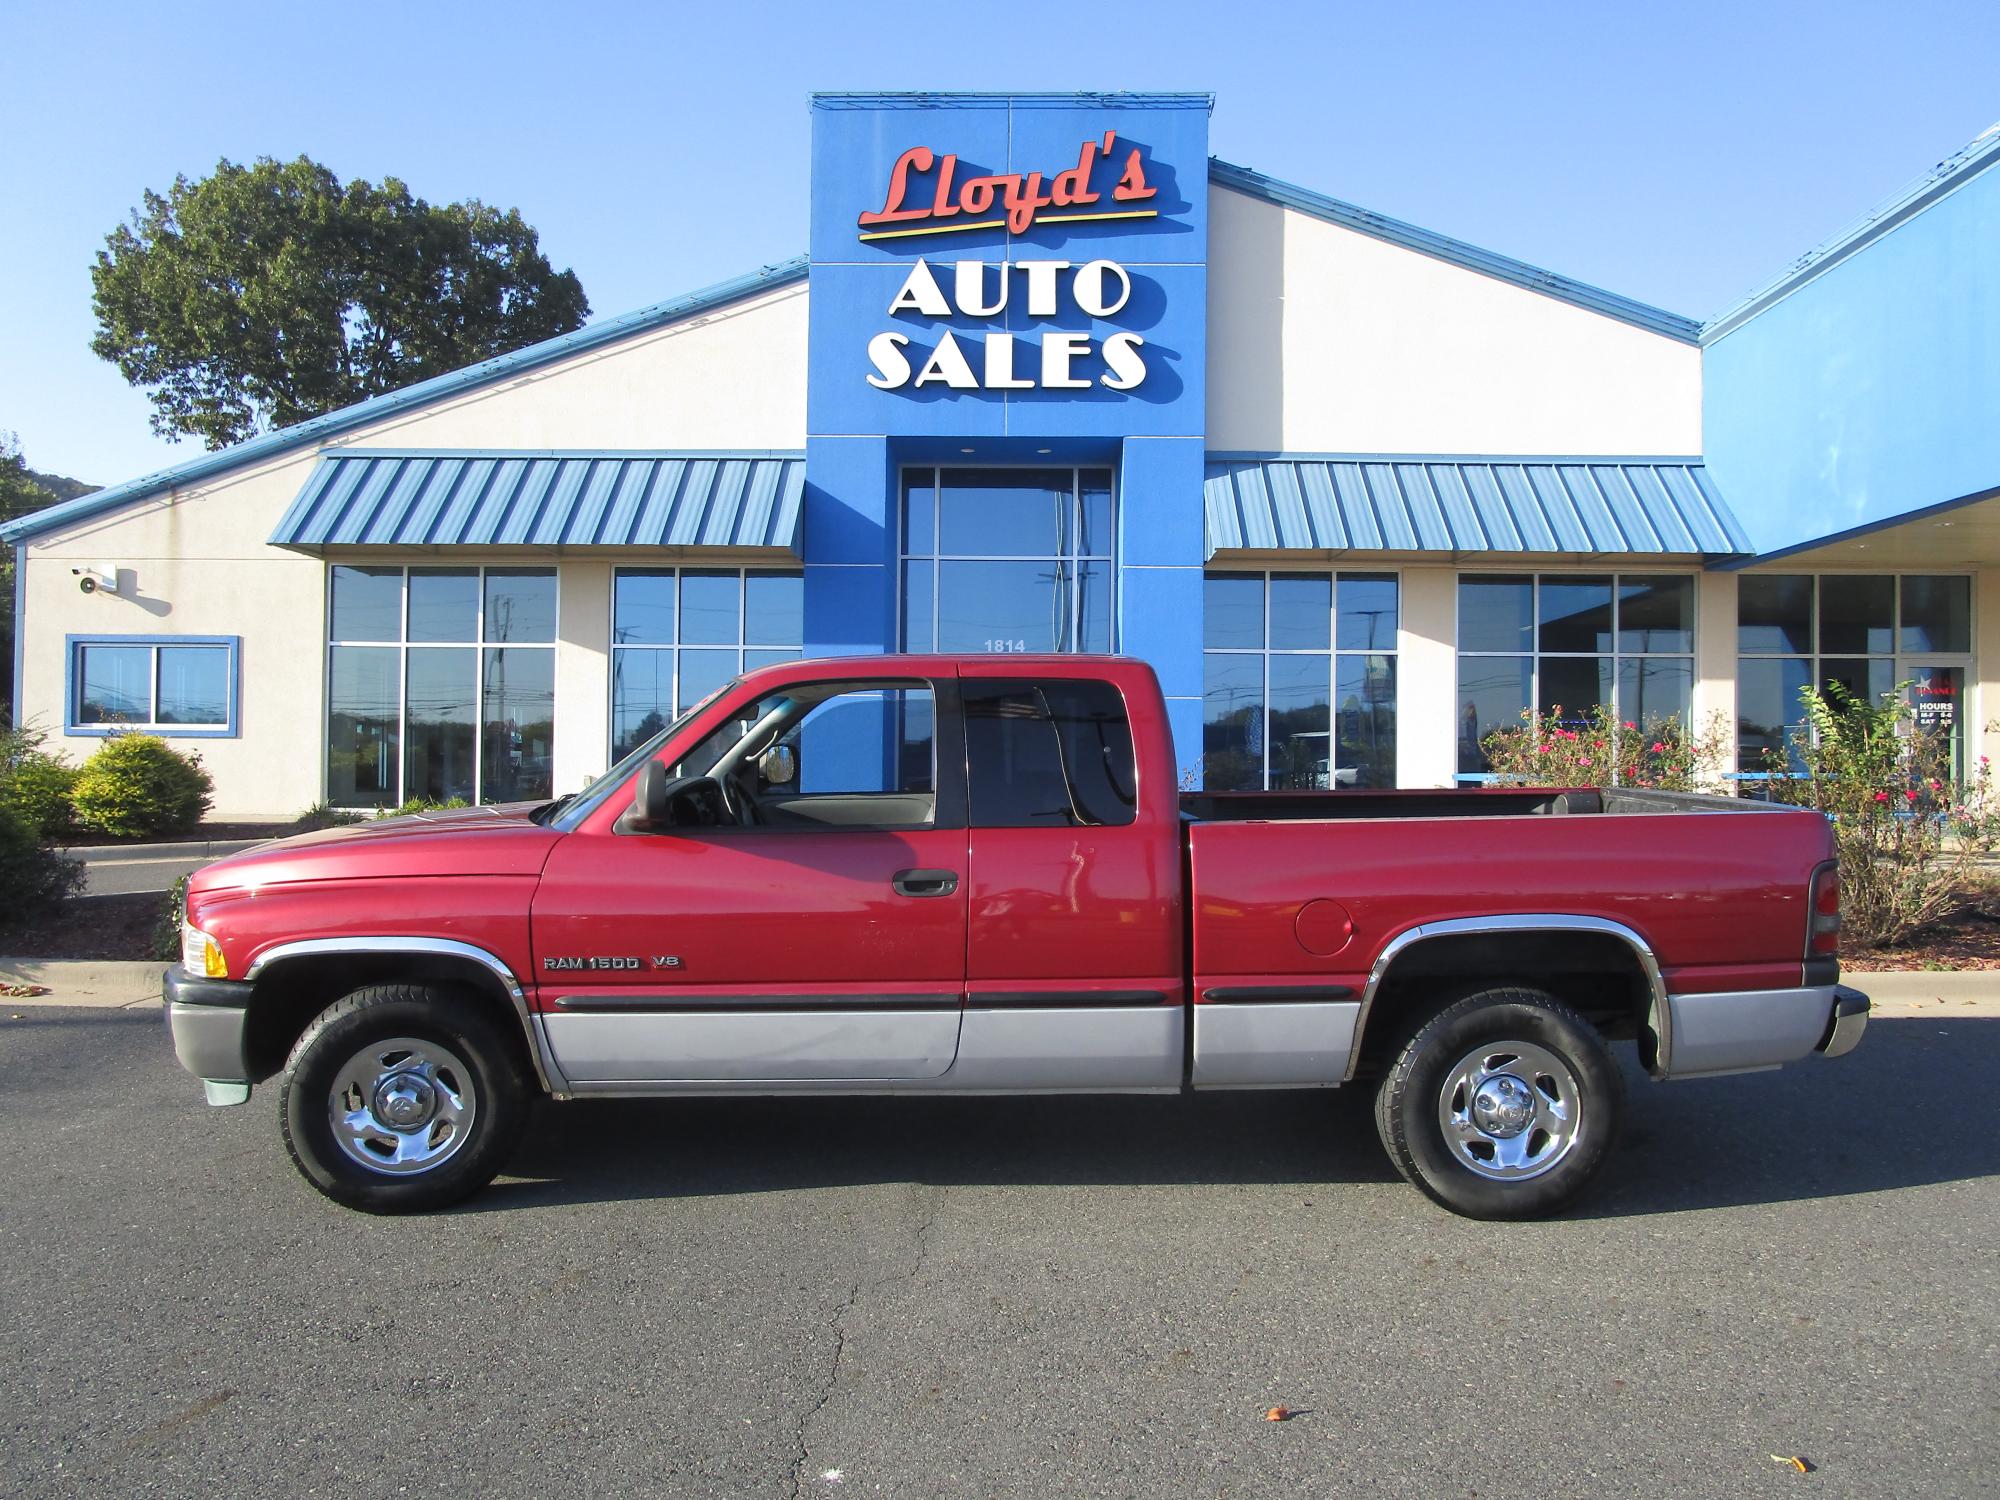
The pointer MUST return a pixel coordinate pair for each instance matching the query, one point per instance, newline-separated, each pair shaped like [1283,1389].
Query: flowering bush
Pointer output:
[1599,749]
[1907,831]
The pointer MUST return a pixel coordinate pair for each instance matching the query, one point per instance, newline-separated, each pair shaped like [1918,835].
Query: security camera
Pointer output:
[103,577]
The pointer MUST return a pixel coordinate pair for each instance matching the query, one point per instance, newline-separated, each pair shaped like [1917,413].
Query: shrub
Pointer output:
[421,804]
[1907,835]
[1600,750]
[138,785]
[165,941]
[324,815]
[33,880]
[34,785]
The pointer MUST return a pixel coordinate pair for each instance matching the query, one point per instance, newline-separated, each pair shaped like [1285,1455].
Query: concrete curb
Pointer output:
[1904,992]
[100,985]
[118,854]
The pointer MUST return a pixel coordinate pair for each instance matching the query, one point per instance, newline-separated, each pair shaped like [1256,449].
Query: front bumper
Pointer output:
[206,1018]
[1741,1031]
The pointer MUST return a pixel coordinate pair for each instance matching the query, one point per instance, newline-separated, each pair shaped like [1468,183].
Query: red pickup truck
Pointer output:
[932,874]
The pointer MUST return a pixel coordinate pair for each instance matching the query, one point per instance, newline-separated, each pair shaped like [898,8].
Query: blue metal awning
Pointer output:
[361,497]
[1406,503]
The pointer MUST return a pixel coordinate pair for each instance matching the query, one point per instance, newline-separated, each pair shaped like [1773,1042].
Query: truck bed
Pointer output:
[1471,802]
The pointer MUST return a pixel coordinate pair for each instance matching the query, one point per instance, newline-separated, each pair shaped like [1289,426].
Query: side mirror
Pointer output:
[779,765]
[650,808]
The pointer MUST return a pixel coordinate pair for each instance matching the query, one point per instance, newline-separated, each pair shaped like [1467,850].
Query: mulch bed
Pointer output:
[1967,938]
[90,927]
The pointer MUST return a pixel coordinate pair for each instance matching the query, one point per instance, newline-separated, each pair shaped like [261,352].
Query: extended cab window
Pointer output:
[828,755]
[1048,754]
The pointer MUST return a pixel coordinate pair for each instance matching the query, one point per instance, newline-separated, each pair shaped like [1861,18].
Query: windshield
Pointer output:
[579,807]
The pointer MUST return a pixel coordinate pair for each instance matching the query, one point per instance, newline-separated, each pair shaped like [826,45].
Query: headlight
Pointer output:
[200,955]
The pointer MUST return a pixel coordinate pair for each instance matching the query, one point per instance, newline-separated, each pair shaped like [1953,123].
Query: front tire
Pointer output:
[403,1099]
[1504,1106]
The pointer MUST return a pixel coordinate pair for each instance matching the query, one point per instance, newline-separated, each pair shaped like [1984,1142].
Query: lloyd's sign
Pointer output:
[927,195]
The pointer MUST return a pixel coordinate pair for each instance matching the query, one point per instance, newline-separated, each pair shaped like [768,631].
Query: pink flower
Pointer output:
[1881,796]
[1911,794]
[1585,761]
[1541,749]
[1657,748]
[1630,725]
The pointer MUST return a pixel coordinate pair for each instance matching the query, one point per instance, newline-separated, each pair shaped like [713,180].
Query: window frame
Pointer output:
[1901,663]
[1332,651]
[676,645]
[403,645]
[1074,558]
[231,727]
[1534,656]
[948,764]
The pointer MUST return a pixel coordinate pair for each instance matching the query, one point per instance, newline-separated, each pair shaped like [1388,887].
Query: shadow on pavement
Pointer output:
[1914,1105]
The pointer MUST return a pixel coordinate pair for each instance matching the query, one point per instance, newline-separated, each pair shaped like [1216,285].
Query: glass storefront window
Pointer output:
[679,633]
[1570,641]
[1868,633]
[438,709]
[163,684]
[1007,560]
[1299,681]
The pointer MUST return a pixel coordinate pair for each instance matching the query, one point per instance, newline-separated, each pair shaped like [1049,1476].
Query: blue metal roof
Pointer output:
[1940,182]
[333,424]
[1456,252]
[361,497]
[1358,502]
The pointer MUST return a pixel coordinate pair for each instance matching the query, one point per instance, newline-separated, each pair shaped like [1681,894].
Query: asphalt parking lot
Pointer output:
[1003,1297]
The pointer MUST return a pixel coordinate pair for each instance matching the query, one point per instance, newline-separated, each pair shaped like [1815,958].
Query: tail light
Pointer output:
[1823,931]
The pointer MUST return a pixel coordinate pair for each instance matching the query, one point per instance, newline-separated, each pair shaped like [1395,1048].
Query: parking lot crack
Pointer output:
[801,1438]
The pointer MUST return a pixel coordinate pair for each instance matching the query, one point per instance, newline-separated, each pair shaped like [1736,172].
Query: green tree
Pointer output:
[19,494]
[267,294]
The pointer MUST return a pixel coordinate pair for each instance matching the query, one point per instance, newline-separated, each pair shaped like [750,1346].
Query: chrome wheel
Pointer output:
[402,1105]
[1510,1110]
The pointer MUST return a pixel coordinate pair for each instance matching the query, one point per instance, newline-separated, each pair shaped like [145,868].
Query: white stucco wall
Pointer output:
[1325,340]
[195,561]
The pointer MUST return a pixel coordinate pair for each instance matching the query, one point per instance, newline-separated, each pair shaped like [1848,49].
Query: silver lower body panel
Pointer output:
[1273,1046]
[1741,1031]
[1056,1049]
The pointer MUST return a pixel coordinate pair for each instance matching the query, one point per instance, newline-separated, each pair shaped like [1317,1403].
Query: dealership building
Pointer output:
[1051,378]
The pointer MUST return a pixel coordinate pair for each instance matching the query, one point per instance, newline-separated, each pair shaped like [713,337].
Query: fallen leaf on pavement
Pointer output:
[1278,1414]
[1792,1461]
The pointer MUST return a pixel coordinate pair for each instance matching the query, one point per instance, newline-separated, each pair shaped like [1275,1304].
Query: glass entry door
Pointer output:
[1936,693]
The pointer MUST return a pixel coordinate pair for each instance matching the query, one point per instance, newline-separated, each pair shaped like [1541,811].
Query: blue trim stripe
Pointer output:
[1361,502]
[1456,252]
[348,418]
[360,497]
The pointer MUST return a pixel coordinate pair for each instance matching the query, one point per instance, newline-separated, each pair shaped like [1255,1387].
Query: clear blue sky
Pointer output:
[1678,154]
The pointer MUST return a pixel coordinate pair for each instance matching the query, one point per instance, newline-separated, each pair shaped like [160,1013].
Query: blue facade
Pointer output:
[993,334]
[1863,387]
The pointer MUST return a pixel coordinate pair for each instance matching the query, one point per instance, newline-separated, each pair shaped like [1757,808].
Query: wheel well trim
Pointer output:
[1649,965]
[547,1071]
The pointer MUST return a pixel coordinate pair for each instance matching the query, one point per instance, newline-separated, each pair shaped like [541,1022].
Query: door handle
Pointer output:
[925,882]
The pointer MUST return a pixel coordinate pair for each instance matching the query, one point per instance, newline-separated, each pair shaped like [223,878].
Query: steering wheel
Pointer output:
[739,795]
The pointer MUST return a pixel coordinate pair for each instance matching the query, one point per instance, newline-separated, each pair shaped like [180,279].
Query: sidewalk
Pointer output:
[133,986]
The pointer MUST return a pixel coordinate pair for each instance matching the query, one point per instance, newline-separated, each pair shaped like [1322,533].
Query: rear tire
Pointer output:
[1504,1105]
[403,1099]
